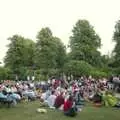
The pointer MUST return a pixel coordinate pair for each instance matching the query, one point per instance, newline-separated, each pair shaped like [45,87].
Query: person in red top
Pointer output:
[69,110]
[68,104]
[59,101]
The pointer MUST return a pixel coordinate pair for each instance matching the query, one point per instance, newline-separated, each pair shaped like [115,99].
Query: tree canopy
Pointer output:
[84,43]
[20,54]
[48,57]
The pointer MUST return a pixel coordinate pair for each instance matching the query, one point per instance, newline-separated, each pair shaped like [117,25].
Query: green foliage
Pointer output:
[60,53]
[50,53]
[24,56]
[97,73]
[47,57]
[40,75]
[20,55]
[5,73]
[44,74]
[116,70]
[45,51]
[81,68]
[84,43]
[116,57]
[78,68]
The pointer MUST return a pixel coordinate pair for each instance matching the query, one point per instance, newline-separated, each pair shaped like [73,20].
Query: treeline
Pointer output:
[48,57]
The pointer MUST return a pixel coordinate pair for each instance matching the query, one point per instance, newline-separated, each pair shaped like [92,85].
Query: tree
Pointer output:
[77,68]
[20,54]
[116,38]
[50,52]
[115,58]
[60,53]
[5,73]
[45,51]
[84,43]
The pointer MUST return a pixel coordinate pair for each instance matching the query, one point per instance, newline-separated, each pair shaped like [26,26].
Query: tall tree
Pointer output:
[45,49]
[60,52]
[20,54]
[115,59]
[84,43]
[116,38]
[50,51]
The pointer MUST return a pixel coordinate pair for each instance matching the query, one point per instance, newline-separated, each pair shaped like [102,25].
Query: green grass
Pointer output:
[27,111]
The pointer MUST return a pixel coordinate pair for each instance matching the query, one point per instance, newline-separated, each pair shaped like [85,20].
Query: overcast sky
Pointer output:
[27,17]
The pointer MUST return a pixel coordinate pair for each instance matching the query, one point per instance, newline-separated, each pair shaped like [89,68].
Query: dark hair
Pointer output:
[52,92]
[70,98]
[4,92]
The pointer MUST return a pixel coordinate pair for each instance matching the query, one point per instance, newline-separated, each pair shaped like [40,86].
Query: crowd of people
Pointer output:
[69,97]
[13,92]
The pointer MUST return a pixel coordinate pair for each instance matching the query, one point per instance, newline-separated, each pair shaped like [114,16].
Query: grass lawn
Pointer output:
[27,111]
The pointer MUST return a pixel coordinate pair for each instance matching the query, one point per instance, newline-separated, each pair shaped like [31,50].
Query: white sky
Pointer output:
[27,17]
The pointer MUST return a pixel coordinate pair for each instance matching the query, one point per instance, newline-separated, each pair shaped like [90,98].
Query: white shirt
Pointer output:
[43,96]
[13,89]
[8,90]
[32,85]
[51,100]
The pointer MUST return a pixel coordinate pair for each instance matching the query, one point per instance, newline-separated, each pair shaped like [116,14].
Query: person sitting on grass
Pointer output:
[78,99]
[3,95]
[51,100]
[97,98]
[59,101]
[15,96]
[69,107]
[4,98]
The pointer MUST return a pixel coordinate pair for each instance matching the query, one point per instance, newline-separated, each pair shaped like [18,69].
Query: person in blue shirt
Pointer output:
[2,95]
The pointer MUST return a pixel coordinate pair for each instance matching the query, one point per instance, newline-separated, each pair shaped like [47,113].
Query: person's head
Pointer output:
[7,86]
[9,93]
[52,92]
[66,87]
[4,92]
[70,98]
